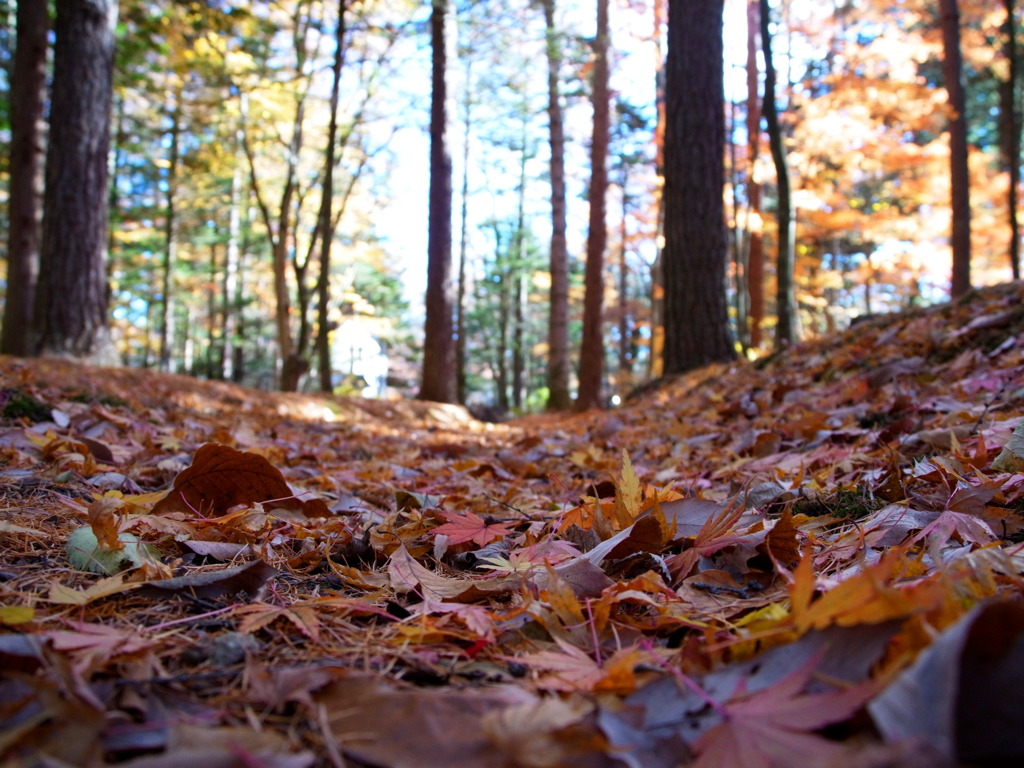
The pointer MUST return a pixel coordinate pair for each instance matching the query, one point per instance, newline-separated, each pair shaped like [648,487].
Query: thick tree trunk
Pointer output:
[592,346]
[787,329]
[28,90]
[71,310]
[960,189]
[559,397]
[439,379]
[696,246]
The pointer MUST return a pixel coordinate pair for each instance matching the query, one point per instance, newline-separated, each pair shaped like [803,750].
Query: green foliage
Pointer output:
[15,404]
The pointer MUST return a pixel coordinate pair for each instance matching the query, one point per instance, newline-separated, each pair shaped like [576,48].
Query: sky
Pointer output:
[403,223]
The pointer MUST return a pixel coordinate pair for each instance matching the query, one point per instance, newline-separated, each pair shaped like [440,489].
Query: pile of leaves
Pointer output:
[815,559]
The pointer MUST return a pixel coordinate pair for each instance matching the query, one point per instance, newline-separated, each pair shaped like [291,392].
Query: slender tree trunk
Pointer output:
[232,262]
[625,337]
[656,362]
[787,329]
[504,321]
[696,244]
[460,297]
[71,308]
[212,361]
[960,188]
[518,340]
[755,240]
[737,233]
[170,233]
[323,345]
[518,272]
[1009,125]
[592,347]
[28,90]
[559,397]
[279,231]
[439,379]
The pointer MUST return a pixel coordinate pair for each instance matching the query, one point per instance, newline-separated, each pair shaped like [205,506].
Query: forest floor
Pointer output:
[810,560]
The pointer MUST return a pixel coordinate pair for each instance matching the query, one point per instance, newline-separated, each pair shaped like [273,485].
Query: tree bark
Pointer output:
[960,190]
[755,241]
[559,397]
[439,379]
[656,361]
[592,346]
[625,363]
[696,244]
[170,234]
[71,310]
[787,329]
[323,345]
[1009,126]
[28,90]
[460,294]
[232,304]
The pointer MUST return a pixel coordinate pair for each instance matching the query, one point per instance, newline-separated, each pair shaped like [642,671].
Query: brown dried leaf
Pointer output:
[782,542]
[243,579]
[221,478]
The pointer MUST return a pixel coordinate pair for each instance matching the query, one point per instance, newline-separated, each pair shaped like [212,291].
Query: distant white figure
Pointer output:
[358,359]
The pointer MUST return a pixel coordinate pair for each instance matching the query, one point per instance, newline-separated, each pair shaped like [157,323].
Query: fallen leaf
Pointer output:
[221,478]
[782,541]
[467,526]
[245,580]
[962,695]
[628,494]
[768,728]
[113,585]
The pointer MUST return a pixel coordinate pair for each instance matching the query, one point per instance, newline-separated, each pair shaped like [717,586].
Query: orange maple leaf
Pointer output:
[461,528]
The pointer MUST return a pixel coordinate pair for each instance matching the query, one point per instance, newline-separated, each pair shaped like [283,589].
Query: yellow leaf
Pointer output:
[628,495]
[16,614]
[103,588]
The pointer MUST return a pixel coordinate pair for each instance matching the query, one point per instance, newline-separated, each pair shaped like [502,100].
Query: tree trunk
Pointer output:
[787,329]
[279,231]
[439,380]
[1009,126]
[960,188]
[559,397]
[323,345]
[625,366]
[170,234]
[592,346]
[460,296]
[696,245]
[656,361]
[232,304]
[755,241]
[518,340]
[71,309]
[28,90]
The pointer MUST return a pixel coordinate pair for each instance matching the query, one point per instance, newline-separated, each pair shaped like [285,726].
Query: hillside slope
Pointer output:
[742,564]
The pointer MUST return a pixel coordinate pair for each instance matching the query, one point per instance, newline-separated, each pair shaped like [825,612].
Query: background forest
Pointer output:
[270,168]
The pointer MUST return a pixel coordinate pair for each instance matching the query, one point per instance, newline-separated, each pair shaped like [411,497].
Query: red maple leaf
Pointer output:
[461,528]
[767,729]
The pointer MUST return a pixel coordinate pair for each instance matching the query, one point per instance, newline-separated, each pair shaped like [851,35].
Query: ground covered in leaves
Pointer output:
[811,560]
